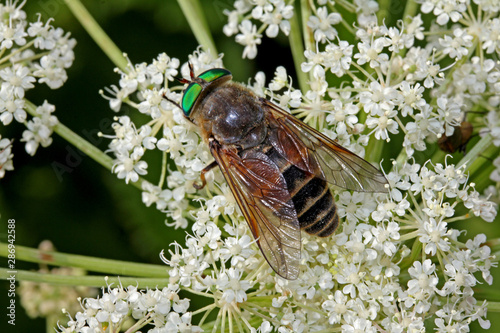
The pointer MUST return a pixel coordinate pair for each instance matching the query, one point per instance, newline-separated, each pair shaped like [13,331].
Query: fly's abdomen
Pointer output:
[311,197]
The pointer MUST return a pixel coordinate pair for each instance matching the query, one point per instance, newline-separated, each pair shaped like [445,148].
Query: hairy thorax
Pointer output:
[232,115]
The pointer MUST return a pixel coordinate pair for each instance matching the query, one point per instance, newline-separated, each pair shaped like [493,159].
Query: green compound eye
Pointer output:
[190,96]
[194,89]
[213,74]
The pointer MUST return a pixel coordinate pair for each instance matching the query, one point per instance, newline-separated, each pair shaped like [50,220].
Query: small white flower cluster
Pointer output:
[129,146]
[33,52]
[40,128]
[271,15]
[157,310]
[227,258]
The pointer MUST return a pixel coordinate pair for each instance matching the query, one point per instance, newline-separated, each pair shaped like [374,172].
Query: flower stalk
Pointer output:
[96,32]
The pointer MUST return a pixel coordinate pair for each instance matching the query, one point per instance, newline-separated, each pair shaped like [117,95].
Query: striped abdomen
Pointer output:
[311,197]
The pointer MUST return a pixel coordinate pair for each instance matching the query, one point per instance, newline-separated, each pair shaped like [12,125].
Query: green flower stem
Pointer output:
[411,8]
[196,20]
[297,48]
[481,178]
[373,151]
[472,157]
[384,10]
[438,156]
[88,281]
[494,245]
[96,32]
[86,147]
[107,266]
[493,306]
[416,251]
[305,11]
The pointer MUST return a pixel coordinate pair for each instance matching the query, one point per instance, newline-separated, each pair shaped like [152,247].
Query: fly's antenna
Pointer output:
[171,101]
[191,73]
[191,70]
[183,81]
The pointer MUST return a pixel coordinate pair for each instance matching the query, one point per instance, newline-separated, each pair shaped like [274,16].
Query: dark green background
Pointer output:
[91,212]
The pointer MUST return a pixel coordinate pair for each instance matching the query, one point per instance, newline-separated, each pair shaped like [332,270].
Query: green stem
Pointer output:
[383,12]
[297,48]
[196,19]
[305,13]
[411,8]
[96,32]
[373,151]
[107,266]
[473,163]
[88,281]
[494,306]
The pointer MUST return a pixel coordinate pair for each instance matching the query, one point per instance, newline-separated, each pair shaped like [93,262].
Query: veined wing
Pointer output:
[261,193]
[339,166]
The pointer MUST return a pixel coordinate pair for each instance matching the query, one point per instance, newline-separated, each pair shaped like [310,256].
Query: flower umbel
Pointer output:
[31,53]
[397,260]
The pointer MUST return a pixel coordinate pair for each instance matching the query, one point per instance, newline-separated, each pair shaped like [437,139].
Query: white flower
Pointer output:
[338,57]
[424,278]
[10,35]
[280,79]
[384,237]
[490,36]
[129,166]
[237,249]
[322,24]
[456,47]
[372,52]
[459,277]
[50,72]
[433,235]
[249,38]
[354,207]
[358,325]
[412,98]
[11,107]
[449,112]
[154,194]
[16,80]
[383,125]
[350,277]
[336,307]
[445,10]
[39,129]
[232,286]
[277,18]
[151,104]
[163,67]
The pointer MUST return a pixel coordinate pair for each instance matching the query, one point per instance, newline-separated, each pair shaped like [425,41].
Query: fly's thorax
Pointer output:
[232,114]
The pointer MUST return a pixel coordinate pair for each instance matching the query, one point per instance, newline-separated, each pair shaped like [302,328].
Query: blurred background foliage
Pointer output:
[86,210]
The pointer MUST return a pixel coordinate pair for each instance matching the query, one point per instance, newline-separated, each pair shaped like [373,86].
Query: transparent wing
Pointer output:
[261,193]
[338,165]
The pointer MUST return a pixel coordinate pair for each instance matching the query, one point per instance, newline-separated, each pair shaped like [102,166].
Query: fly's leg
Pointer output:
[202,175]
